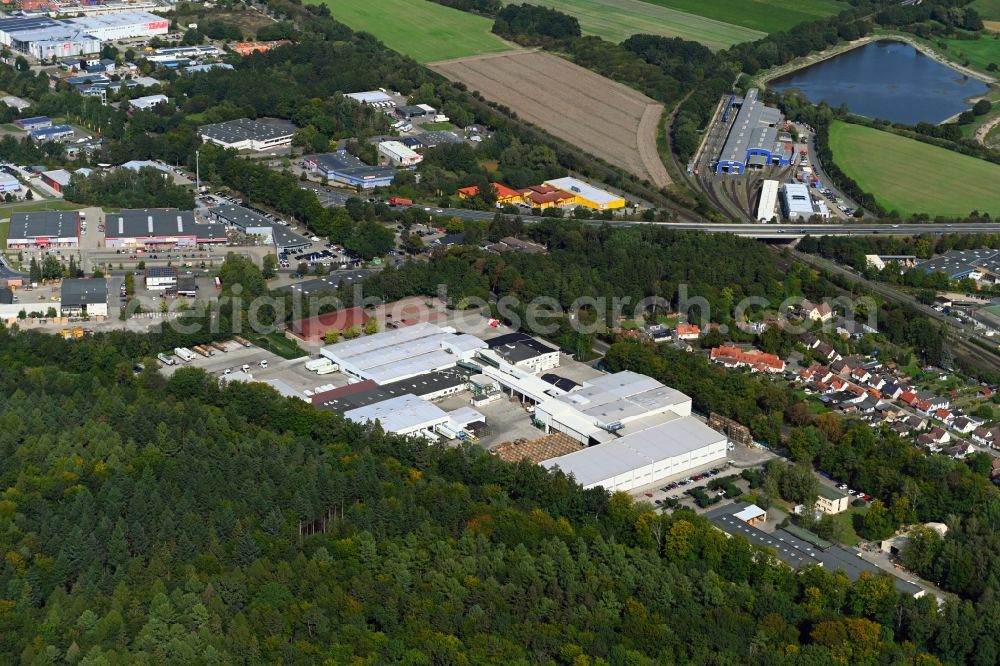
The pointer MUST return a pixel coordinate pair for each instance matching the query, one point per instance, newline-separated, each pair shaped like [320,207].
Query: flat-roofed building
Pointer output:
[246,134]
[342,167]
[252,223]
[399,154]
[147,102]
[9,184]
[830,500]
[644,457]
[52,133]
[159,227]
[403,415]
[160,278]
[797,203]
[80,297]
[587,195]
[377,99]
[403,352]
[428,386]
[523,351]
[44,229]
[768,206]
[753,138]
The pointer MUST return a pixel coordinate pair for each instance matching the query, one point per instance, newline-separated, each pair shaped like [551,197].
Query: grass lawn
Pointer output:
[763,15]
[439,127]
[844,532]
[617,20]
[11,127]
[988,9]
[914,177]
[423,30]
[4,228]
[978,52]
[30,206]
[277,343]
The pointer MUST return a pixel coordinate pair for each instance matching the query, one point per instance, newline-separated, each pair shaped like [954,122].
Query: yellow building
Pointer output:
[588,195]
[830,500]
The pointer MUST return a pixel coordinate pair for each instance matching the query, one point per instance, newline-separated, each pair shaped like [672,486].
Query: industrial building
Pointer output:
[57,179]
[753,140]
[644,457]
[428,386]
[52,133]
[246,134]
[16,103]
[175,52]
[602,409]
[342,167]
[980,265]
[253,223]
[147,102]
[403,352]
[768,206]
[126,25]
[797,203]
[377,99]
[398,154]
[314,329]
[37,122]
[159,227]
[525,352]
[405,415]
[160,278]
[587,195]
[44,38]
[44,229]
[9,184]
[79,297]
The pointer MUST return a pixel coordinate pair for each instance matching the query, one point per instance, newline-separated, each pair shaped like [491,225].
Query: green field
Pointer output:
[423,30]
[913,177]
[763,15]
[4,228]
[617,20]
[988,9]
[979,52]
[30,206]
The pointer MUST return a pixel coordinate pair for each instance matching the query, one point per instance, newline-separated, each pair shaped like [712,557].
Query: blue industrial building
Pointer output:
[342,167]
[753,138]
[54,133]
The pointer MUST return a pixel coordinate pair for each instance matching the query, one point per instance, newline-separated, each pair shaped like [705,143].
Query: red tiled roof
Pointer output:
[757,359]
[688,329]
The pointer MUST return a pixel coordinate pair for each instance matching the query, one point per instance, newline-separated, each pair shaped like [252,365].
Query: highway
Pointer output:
[332,197]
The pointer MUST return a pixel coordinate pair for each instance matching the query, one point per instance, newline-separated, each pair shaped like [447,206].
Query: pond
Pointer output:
[889,80]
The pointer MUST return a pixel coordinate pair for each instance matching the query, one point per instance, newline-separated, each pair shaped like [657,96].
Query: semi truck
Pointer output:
[185,355]
[317,363]
[164,359]
[400,201]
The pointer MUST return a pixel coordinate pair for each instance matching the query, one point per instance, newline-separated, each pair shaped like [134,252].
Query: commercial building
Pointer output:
[398,154]
[175,52]
[411,111]
[428,386]
[609,406]
[44,229]
[147,102]
[126,25]
[246,134]
[314,329]
[159,227]
[753,140]
[791,546]
[342,167]
[377,99]
[830,500]
[797,203]
[504,194]
[9,184]
[34,123]
[57,179]
[46,38]
[403,352]
[52,133]
[525,352]
[437,138]
[160,278]
[768,206]
[981,264]
[588,195]
[405,415]
[733,357]
[547,196]
[79,297]
[253,223]
[139,165]
[644,457]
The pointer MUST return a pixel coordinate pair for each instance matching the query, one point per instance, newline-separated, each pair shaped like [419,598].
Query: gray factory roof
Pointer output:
[626,394]
[112,20]
[285,238]
[400,413]
[241,217]
[667,440]
[797,552]
[242,129]
[158,222]
[958,263]
[420,385]
[349,165]
[83,292]
[751,129]
[436,138]
[44,224]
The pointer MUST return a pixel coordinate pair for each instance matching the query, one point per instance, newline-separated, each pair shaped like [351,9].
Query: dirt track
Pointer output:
[605,118]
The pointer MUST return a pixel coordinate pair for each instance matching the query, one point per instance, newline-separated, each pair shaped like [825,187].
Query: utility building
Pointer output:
[752,141]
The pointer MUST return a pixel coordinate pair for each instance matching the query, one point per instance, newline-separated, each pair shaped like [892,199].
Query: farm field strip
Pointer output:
[423,30]
[764,15]
[914,177]
[617,20]
[605,118]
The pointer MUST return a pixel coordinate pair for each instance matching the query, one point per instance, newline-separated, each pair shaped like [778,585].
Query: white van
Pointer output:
[263,363]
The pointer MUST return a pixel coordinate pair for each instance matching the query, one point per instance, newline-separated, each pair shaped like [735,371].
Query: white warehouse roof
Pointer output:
[585,190]
[403,352]
[768,201]
[371,97]
[798,200]
[403,414]
[643,454]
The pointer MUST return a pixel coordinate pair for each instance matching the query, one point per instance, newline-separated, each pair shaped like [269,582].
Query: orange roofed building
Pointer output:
[313,329]
[756,360]
[246,48]
[505,195]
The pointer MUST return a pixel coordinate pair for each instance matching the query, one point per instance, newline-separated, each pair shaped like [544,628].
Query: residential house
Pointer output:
[827,352]
[960,450]
[814,312]
[860,375]
[657,332]
[687,332]
[891,391]
[944,415]
[810,341]
[986,436]
[756,360]
[964,424]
